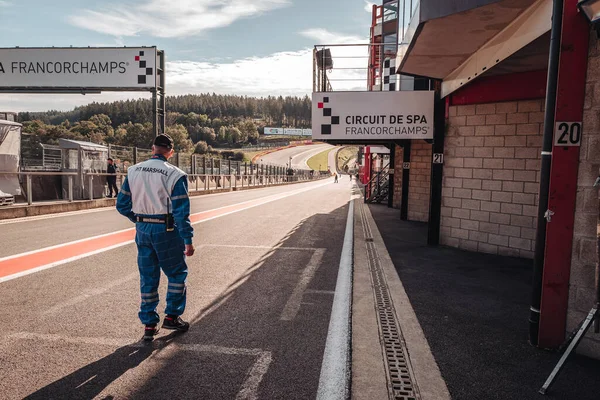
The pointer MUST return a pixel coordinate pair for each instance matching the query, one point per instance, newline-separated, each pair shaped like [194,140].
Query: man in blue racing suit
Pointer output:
[155,197]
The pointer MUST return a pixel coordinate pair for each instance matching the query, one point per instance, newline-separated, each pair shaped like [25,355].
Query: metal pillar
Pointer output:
[158,96]
[405,180]
[392,175]
[560,171]
[437,169]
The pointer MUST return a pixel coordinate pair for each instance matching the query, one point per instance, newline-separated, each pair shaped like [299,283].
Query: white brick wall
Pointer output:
[398,161]
[491,177]
[581,293]
[419,184]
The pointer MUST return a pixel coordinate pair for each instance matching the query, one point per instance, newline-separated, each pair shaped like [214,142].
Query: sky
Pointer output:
[244,47]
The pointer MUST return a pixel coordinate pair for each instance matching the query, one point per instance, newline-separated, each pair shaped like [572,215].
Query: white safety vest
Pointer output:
[151,183]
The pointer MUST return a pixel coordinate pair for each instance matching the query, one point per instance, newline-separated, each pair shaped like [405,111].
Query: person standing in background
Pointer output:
[112,179]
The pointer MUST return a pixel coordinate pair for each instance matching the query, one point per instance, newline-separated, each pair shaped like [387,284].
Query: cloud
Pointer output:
[4,3]
[168,19]
[369,6]
[323,36]
[284,73]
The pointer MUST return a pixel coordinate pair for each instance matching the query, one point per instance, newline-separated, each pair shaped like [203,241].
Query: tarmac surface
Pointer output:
[474,309]
[260,290]
[299,154]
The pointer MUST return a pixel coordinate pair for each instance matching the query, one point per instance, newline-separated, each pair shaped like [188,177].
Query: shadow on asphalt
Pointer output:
[474,311]
[91,380]
[245,318]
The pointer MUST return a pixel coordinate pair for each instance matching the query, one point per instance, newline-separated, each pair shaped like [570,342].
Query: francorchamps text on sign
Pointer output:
[372,115]
[127,68]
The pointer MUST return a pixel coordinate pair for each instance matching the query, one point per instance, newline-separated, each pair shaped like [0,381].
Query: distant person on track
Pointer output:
[155,197]
[336,177]
[111,168]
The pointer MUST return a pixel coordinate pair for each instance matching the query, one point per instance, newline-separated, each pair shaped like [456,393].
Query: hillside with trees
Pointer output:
[196,122]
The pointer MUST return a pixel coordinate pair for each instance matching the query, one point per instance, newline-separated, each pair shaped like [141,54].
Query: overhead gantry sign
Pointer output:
[372,116]
[85,70]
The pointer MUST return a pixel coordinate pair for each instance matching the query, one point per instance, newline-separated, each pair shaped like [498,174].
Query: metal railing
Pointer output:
[260,177]
[29,186]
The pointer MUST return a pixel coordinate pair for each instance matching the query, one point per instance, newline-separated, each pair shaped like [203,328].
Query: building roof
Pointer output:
[76,144]
[5,122]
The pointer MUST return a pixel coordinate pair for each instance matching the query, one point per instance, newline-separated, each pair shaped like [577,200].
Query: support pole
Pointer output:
[29,190]
[405,180]
[562,192]
[437,170]
[540,239]
[392,175]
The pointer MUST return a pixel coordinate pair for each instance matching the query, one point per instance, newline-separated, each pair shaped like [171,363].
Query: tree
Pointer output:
[138,135]
[250,131]
[222,135]
[208,135]
[181,138]
[201,148]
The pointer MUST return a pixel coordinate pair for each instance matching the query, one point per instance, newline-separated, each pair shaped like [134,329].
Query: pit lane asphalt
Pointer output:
[259,317]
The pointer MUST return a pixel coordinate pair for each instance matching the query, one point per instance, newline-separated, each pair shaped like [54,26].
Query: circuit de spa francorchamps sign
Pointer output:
[123,68]
[372,115]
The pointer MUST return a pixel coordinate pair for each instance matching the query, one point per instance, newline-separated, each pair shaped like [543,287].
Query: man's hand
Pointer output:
[189,250]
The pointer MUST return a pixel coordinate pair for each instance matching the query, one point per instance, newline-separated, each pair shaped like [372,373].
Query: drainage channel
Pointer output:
[400,376]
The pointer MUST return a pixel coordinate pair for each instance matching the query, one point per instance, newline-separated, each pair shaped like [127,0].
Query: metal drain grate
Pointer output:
[399,372]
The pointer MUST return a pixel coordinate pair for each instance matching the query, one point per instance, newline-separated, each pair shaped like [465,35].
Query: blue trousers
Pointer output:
[159,249]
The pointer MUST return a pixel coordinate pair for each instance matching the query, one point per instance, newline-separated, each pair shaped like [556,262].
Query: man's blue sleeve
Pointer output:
[124,202]
[181,210]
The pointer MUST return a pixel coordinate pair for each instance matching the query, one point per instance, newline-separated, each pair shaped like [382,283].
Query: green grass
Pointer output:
[321,159]
[346,154]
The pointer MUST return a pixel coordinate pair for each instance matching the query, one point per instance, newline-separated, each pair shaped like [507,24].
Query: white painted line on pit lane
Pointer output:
[334,382]
[49,216]
[293,304]
[248,390]
[61,262]
[101,209]
[90,293]
[233,246]
[313,291]
[271,198]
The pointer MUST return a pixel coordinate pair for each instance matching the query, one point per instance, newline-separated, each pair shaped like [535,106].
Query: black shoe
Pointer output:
[150,331]
[175,323]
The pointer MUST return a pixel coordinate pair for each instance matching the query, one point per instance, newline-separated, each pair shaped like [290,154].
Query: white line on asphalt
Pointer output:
[293,304]
[49,216]
[55,264]
[248,390]
[90,293]
[233,246]
[101,209]
[27,253]
[312,291]
[335,369]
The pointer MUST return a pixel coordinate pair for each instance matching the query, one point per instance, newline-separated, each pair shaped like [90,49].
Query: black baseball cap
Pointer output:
[164,140]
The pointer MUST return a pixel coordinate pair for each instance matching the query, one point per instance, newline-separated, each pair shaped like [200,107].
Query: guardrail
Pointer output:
[28,185]
[196,182]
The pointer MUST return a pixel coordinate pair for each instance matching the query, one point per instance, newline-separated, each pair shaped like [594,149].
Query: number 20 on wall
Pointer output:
[567,134]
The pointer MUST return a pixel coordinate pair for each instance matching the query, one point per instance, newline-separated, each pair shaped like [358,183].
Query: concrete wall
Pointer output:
[581,293]
[491,177]
[399,156]
[420,178]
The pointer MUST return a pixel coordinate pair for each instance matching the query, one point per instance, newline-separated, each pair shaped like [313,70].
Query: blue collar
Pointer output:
[159,157]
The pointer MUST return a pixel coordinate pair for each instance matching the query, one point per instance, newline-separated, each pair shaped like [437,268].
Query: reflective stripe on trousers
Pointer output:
[159,249]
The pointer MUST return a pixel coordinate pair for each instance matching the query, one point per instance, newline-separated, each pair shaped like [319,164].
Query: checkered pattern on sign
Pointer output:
[390,78]
[327,112]
[142,78]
